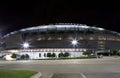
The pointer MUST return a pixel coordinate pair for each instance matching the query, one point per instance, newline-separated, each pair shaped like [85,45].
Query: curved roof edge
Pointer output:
[82,26]
[60,25]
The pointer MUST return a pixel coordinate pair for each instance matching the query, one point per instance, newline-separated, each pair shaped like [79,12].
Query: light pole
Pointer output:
[25,45]
[74,43]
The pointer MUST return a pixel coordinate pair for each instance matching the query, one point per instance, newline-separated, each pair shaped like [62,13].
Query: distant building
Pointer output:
[73,38]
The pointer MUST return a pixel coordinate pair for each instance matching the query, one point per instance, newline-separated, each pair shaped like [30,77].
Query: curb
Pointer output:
[38,75]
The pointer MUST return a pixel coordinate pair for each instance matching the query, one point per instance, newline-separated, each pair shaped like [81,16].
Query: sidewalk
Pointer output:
[111,57]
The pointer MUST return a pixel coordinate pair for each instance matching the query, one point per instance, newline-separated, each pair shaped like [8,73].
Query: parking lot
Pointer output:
[107,67]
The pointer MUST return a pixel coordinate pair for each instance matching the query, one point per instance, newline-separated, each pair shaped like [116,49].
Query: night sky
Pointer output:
[16,15]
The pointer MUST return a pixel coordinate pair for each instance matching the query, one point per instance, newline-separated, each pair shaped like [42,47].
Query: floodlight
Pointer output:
[26,45]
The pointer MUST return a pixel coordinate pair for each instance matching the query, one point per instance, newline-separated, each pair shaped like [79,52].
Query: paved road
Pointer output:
[107,67]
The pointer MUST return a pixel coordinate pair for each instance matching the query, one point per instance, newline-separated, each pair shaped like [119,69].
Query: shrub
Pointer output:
[51,55]
[14,55]
[61,54]
[88,53]
[113,52]
[66,54]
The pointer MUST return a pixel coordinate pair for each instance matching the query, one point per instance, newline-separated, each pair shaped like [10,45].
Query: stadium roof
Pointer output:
[61,26]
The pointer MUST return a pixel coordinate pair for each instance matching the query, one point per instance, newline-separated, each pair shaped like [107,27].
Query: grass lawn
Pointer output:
[16,73]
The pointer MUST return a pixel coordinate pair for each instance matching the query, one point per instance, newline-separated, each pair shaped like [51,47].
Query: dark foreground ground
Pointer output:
[107,67]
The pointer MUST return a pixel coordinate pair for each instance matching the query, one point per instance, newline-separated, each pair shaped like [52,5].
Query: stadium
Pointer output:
[56,38]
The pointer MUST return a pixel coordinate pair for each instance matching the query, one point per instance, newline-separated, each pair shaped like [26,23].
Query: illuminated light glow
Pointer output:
[26,45]
[74,42]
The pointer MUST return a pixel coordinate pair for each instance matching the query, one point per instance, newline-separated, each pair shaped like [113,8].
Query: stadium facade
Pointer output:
[73,38]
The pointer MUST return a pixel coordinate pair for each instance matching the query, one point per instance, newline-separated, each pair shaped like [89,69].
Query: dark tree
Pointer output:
[53,55]
[66,54]
[22,56]
[26,56]
[49,55]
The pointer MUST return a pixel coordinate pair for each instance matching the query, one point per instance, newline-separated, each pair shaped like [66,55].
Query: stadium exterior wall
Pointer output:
[58,38]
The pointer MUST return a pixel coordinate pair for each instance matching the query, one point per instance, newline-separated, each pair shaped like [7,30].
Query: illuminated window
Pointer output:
[91,38]
[49,38]
[110,38]
[70,37]
[58,49]
[101,38]
[44,50]
[55,49]
[73,49]
[31,50]
[62,49]
[118,39]
[70,49]
[77,49]
[59,38]
[39,39]
[81,38]
[48,50]
[100,42]
[30,39]
[84,49]
[37,50]
[101,45]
